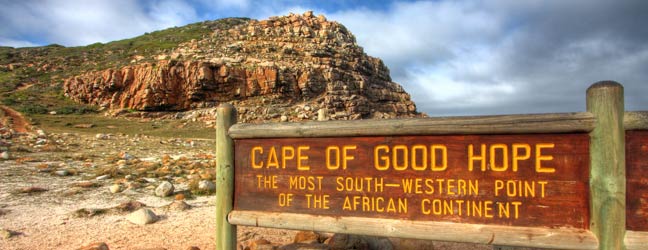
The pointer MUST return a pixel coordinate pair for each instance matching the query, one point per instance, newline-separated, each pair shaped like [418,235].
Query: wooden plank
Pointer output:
[636,240]
[225,232]
[637,120]
[637,181]
[607,174]
[563,238]
[421,177]
[503,124]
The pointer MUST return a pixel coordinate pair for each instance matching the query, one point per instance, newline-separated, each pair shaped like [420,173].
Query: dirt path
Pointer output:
[20,124]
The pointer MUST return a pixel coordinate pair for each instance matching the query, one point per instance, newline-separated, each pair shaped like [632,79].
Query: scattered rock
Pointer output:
[179,197]
[126,156]
[95,246]
[29,190]
[102,136]
[103,177]
[129,206]
[115,188]
[284,118]
[307,237]
[347,241]
[62,172]
[6,234]
[164,189]
[206,186]
[261,244]
[179,205]
[150,180]
[84,125]
[41,133]
[142,216]
[4,155]
[89,212]
[86,184]
[304,246]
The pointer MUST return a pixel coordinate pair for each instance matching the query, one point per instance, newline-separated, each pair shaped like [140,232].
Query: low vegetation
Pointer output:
[31,79]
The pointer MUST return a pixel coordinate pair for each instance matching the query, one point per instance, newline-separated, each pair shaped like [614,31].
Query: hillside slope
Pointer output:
[283,68]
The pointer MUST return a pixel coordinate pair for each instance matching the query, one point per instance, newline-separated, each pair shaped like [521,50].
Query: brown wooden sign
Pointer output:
[637,180]
[520,180]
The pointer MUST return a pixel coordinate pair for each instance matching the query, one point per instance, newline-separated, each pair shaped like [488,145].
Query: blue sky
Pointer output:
[453,57]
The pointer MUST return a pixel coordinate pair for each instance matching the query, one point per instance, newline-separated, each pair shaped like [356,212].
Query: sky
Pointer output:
[453,57]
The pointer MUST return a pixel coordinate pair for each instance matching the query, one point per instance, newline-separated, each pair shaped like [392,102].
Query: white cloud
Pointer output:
[73,23]
[16,43]
[223,4]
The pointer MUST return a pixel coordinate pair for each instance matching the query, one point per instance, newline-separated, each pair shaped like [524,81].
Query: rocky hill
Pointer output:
[284,68]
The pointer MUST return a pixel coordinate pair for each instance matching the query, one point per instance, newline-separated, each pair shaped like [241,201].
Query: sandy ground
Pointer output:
[47,220]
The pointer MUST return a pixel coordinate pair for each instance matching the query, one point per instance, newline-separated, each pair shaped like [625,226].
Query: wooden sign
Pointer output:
[538,180]
[637,180]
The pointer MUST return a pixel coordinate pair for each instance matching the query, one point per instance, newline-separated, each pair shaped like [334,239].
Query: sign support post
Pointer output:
[607,173]
[225,232]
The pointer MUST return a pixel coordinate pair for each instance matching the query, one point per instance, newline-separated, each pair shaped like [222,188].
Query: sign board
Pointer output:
[637,180]
[536,180]
[531,180]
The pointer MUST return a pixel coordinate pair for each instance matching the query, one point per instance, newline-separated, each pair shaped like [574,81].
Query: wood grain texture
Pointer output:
[637,120]
[607,154]
[560,238]
[637,181]
[636,240]
[503,124]
[225,232]
[563,203]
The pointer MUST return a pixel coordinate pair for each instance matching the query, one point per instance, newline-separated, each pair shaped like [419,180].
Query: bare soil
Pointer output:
[19,125]
[50,219]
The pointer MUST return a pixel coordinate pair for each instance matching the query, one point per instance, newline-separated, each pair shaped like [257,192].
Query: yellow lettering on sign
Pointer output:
[422,150]
[444,157]
[493,152]
[272,158]
[539,158]
[287,153]
[285,199]
[377,204]
[402,155]
[519,188]
[418,157]
[516,154]
[472,157]
[253,157]
[301,157]
[335,152]
[381,162]
[317,201]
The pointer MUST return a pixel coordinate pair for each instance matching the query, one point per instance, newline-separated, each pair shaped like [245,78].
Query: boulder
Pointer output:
[164,189]
[142,216]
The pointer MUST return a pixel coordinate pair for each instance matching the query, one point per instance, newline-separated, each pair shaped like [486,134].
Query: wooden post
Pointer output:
[225,232]
[607,172]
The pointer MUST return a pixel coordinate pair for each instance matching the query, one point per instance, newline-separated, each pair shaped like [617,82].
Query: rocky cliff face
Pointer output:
[288,67]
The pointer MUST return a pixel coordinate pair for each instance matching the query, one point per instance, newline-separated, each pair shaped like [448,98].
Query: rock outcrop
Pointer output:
[286,66]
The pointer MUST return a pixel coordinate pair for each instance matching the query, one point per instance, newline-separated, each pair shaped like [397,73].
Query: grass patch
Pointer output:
[120,125]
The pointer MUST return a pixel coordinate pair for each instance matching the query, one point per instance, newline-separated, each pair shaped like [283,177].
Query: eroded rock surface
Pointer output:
[288,66]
